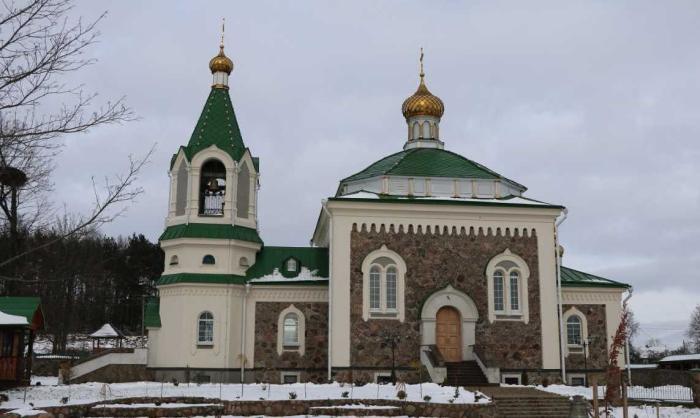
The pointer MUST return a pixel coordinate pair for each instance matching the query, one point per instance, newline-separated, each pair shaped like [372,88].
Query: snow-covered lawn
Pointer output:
[664,412]
[47,395]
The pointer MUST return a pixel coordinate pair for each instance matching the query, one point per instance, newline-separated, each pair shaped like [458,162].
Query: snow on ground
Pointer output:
[45,395]
[152,405]
[44,380]
[670,392]
[664,412]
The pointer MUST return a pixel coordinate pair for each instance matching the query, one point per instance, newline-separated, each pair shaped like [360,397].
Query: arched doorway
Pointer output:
[448,333]
[455,302]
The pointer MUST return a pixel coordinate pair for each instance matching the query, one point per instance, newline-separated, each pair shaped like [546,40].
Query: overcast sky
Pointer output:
[594,105]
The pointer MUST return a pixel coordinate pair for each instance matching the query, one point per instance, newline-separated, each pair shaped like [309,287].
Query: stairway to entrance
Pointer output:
[465,373]
[527,403]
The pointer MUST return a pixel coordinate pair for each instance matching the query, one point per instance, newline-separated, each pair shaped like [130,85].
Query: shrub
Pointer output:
[456,392]
[345,394]
[427,398]
[401,394]
[292,395]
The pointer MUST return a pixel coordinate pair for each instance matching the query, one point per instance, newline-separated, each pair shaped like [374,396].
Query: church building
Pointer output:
[425,264]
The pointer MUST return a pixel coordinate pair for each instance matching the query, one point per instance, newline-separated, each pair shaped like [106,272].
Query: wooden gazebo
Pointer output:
[106,333]
[20,318]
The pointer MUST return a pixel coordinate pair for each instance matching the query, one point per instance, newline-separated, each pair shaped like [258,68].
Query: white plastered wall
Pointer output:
[346,214]
[175,343]
[190,252]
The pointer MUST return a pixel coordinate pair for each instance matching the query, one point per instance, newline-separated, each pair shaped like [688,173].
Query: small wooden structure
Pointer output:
[20,318]
[680,362]
[107,333]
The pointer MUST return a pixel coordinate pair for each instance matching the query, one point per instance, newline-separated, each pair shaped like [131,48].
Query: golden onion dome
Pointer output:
[221,62]
[423,103]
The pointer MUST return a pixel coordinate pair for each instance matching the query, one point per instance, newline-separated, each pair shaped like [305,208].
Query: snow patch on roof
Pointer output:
[681,357]
[514,200]
[106,331]
[7,319]
[305,275]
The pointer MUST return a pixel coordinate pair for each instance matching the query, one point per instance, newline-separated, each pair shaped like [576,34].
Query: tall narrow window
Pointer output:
[243,192]
[391,288]
[514,291]
[374,288]
[498,302]
[181,190]
[205,329]
[573,330]
[291,330]
[212,188]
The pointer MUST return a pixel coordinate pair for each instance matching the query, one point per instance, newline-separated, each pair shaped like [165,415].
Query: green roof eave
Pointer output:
[575,278]
[177,278]
[151,313]
[323,282]
[212,231]
[428,201]
[21,306]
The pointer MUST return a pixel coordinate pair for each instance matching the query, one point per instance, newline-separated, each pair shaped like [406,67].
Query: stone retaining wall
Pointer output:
[269,408]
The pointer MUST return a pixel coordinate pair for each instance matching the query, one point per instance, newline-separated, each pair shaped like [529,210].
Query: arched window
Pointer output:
[514,290]
[507,275]
[292,265]
[174,261]
[205,329]
[383,285]
[181,189]
[291,331]
[208,259]
[573,330]
[243,192]
[212,188]
[416,130]
[426,129]
[391,287]
[498,302]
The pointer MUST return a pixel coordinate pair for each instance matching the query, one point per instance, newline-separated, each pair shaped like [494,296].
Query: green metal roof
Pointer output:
[200,278]
[151,312]
[271,258]
[217,125]
[428,162]
[509,201]
[576,278]
[20,306]
[215,231]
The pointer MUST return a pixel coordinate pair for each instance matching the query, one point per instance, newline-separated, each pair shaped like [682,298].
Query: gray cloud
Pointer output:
[593,105]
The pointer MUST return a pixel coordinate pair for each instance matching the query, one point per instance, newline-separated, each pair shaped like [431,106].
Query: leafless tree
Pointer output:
[40,43]
[694,329]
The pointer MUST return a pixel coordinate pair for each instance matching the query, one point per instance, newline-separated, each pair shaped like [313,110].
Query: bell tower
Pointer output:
[212,227]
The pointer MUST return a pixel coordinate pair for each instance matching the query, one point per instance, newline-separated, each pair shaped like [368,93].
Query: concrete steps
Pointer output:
[533,407]
[465,373]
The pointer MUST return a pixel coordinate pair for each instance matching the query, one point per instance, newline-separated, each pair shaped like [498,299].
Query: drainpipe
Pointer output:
[627,341]
[324,204]
[243,327]
[565,213]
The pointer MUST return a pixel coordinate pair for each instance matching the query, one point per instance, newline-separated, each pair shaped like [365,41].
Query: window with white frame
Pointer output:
[205,329]
[292,265]
[576,331]
[291,331]
[507,277]
[383,285]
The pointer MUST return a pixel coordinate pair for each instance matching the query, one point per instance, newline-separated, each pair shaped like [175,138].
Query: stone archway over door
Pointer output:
[448,333]
[468,315]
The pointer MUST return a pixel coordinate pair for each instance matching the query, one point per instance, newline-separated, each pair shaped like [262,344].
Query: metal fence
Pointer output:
[661,393]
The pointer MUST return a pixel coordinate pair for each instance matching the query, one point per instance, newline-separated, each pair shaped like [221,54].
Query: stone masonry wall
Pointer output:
[434,261]
[598,350]
[312,365]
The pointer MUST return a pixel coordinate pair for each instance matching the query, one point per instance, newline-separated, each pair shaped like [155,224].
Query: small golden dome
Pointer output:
[422,103]
[221,62]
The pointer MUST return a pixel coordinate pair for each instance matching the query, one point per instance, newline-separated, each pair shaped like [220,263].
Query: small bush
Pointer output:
[292,395]
[401,394]
[263,387]
[427,398]
[345,394]
[456,392]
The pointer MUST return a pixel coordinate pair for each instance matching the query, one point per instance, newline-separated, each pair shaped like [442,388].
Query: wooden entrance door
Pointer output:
[448,333]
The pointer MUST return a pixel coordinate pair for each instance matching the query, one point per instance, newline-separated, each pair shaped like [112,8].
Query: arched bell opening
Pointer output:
[212,186]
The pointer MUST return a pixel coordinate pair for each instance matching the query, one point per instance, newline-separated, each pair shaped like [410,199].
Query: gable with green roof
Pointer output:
[576,278]
[270,259]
